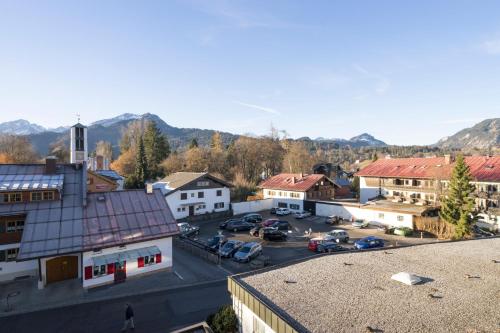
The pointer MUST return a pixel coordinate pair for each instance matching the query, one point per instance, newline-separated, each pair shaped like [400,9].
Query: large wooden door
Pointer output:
[62,268]
[191,210]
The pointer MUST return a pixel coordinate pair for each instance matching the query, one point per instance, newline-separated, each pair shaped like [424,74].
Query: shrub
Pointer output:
[224,320]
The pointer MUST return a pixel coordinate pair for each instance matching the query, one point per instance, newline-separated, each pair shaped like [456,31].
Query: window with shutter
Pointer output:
[111,268]
[158,258]
[88,272]
[140,262]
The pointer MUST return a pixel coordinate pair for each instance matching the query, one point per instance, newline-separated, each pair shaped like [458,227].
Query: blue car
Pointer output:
[369,243]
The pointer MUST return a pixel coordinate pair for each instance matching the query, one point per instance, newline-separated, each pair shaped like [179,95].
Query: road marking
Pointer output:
[225,270]
[178,275]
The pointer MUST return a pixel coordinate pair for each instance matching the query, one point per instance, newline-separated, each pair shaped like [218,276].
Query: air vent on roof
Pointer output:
[489,166]
[407,278]
[101,198]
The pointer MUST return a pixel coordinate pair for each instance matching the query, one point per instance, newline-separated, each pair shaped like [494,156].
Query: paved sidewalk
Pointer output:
[188,270]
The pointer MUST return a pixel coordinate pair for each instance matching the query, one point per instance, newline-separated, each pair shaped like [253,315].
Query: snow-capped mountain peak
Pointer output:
[114,120]
[21,127]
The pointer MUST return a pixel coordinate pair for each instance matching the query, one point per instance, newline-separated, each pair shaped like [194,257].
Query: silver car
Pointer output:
[337,235]
[247,252]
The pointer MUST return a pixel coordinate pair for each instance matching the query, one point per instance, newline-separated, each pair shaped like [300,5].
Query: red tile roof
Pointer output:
[292,182]
[483,168]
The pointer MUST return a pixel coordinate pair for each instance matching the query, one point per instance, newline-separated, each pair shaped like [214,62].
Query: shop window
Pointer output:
[12,254]
[99,270]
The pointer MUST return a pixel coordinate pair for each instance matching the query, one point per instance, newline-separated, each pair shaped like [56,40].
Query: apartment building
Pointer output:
[422,181]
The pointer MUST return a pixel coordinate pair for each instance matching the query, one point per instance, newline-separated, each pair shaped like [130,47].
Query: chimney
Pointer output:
[149,188]
[50,165]
[99,162]
[293,179]
[301,175]
[447,159]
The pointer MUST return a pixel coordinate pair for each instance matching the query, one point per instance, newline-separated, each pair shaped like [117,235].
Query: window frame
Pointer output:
[184,196]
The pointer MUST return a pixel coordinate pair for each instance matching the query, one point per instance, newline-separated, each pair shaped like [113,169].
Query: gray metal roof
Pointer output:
[109,174]
[31,182]
[121,217]
[66,226]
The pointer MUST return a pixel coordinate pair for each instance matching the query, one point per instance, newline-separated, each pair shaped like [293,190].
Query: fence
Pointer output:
[251,206]
[435,226]
[197,249]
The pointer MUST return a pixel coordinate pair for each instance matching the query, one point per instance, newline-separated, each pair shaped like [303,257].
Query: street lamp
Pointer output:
[220,243]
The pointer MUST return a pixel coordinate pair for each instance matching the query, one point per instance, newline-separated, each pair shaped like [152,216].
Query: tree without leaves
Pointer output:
[60,151]
[457,206]
[104,149]
[17,149]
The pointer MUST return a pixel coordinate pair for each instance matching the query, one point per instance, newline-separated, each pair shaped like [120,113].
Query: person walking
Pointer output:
[129,318]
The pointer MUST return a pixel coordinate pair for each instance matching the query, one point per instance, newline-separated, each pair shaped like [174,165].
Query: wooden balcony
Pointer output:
[10,237]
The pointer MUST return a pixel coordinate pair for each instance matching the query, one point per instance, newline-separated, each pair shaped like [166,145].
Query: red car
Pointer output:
[313,244]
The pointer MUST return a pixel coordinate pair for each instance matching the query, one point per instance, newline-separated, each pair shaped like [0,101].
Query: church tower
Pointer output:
[78,144]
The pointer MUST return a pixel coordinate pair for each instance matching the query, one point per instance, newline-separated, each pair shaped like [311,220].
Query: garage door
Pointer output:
[62,268]
[310,206]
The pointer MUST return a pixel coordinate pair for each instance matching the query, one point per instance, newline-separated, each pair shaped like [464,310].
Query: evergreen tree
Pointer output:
[193,143]
[457,207]
[375,157]
[141,165]
[156,148]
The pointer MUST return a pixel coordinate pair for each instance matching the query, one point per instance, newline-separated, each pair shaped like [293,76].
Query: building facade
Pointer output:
[193,193]
[291,190]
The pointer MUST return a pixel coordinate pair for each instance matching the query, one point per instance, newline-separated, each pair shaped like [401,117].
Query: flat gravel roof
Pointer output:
[353,292]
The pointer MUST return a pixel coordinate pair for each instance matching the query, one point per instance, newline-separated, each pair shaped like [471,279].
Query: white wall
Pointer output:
[210,198]
[366,192]
[246,318]
[252,206]
[283,194]
[9,270]
[298,202]
[164,244]
[347,212]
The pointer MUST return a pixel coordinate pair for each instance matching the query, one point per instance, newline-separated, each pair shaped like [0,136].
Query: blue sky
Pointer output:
[408,73]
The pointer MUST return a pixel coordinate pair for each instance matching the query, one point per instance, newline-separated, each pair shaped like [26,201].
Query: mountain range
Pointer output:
[483,135]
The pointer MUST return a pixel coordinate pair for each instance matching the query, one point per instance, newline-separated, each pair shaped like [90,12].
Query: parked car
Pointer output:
[281,225]
[333,219]
[481,232]
[255,230]
[230,248]
[313,244]
[239,226]
[214,242]
[337,235]
[273,210]
[302,214]
[369,242]
[403,231]
[188,230]
[283,211]
[360,224]
[247,252]
[224,224]
[328,246]
[252,218]
[272,234]
[269,222]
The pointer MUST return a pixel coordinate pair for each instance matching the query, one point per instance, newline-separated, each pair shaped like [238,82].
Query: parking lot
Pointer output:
[295,247]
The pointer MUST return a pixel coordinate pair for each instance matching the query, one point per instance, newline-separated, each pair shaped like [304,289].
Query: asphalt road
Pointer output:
[154,312]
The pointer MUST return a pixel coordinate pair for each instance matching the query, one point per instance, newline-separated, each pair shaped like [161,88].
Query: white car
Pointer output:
[283,211]
[360,224]
[337,235]
[302,214]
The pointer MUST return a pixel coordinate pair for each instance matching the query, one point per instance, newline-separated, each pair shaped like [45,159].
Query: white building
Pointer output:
[194,193]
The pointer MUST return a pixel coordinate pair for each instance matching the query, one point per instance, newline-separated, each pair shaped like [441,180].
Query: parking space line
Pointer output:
[178,275]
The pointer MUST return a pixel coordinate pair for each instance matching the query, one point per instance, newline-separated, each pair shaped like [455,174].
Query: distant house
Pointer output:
[291,189]
[342,178]
[99,183]
[100,165]
[194,193]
